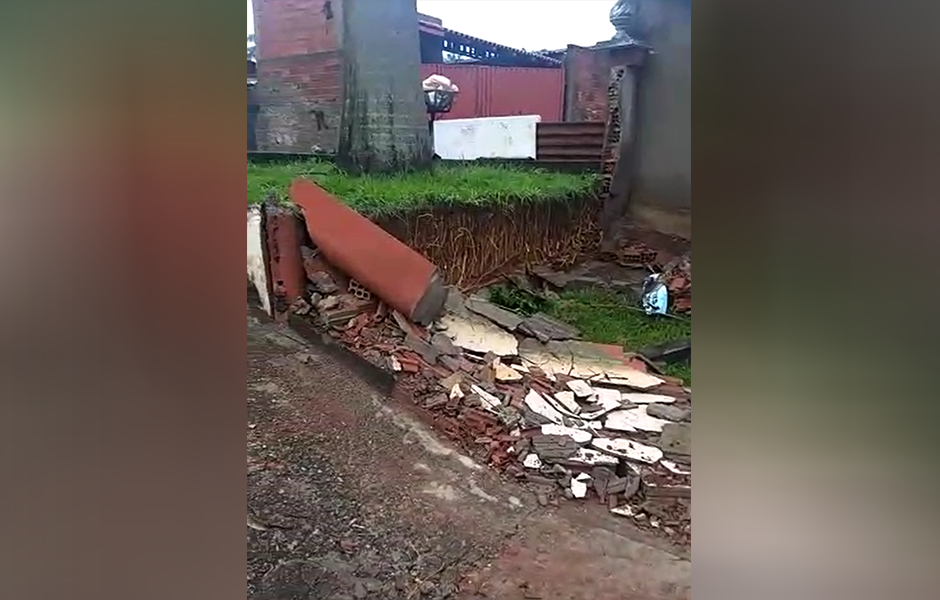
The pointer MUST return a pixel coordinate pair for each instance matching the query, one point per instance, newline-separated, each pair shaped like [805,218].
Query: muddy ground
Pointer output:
[350,497]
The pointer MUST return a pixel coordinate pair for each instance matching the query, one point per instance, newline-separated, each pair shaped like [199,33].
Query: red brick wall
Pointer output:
[587,74]
[300,74]
[291,27]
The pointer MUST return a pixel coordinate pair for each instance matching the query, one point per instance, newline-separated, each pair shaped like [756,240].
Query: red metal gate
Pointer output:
[487,91]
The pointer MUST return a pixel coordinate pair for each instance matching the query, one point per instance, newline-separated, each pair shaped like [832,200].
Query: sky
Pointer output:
[528,24]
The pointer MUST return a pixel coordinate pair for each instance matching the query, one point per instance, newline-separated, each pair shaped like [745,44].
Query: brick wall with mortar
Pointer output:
[384,123]
[661,194]
[300,74]
[587,77]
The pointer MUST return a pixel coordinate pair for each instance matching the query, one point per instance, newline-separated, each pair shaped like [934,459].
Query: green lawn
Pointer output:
[473,185]
[605,317]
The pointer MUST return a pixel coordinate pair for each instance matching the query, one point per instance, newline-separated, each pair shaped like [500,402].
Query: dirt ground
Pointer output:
[350,497]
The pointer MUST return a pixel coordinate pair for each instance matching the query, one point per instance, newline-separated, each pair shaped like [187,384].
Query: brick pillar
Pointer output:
[300,67]
[384,126]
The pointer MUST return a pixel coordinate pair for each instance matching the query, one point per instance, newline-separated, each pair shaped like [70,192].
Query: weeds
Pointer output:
[517,300]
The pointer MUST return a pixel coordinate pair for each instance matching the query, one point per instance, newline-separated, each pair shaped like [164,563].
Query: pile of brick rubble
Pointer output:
[676,270]
[575,420]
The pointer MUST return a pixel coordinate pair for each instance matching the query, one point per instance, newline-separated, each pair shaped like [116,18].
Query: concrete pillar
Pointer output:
[616,204]
[384,123]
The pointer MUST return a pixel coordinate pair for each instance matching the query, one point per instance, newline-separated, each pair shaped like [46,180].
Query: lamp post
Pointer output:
[437,102]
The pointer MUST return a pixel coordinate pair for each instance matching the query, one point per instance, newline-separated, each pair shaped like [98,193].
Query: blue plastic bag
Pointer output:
[655,295]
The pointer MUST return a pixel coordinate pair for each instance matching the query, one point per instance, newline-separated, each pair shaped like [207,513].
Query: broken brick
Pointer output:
[436,401]
[478,419]
[408,366]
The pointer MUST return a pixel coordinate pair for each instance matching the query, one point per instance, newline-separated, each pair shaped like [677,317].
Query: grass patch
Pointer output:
[609,318]
[604,317]
[445,185]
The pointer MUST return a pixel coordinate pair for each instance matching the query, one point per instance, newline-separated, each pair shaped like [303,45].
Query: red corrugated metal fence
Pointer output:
[487,91]
[570,142]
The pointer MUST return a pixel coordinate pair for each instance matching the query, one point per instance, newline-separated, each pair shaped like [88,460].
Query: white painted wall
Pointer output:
[486,137]
[256,272]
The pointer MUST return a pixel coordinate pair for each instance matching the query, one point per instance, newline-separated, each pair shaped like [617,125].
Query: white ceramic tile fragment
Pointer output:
[580,436]
[580,388]
[579,485]
[675,467]
[490,402]
[536,403]
[532,461]
[639,398]
[628,449]
[633,419]
[566,399]
[589,456]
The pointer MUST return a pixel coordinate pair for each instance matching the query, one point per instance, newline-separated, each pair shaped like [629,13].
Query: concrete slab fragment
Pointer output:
[579,360]
[552,448]
[479,335]
[497,314]
[545,328]
[444,345]
[669,412]
[677,438]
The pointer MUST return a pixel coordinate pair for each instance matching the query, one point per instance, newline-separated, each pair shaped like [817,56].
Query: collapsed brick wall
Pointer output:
[300,75]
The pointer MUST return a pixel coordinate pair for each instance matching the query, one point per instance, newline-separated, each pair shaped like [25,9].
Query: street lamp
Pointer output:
[439,95]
